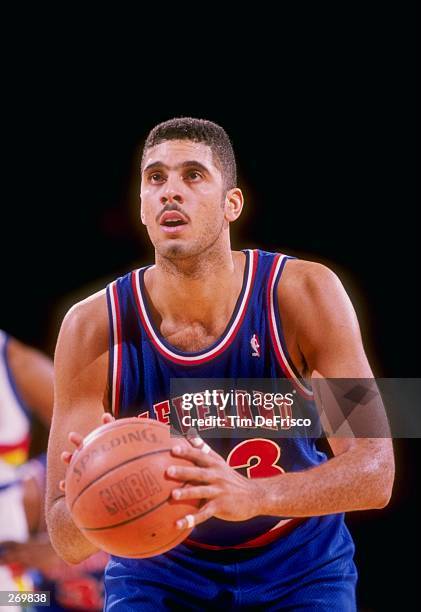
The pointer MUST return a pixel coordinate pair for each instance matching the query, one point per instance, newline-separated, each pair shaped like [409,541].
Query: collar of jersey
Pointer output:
[234,324]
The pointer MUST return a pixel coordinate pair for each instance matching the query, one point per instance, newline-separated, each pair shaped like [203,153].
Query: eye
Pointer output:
[193,175]
[156,177]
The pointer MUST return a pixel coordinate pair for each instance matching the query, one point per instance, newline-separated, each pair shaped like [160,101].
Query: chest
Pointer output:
[191,337]
[194,337]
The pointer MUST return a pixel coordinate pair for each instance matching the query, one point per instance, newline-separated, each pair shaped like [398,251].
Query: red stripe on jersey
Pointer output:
[263,540]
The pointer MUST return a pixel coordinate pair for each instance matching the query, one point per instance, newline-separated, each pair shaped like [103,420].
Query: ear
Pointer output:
[142,213]
[234,201]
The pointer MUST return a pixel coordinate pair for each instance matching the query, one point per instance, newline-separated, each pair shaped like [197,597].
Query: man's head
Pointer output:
[198,130]
[189,194]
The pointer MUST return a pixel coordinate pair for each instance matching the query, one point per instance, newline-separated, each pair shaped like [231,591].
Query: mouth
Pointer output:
[172,222]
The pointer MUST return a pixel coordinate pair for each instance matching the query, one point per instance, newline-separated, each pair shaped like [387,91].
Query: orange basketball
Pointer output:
[118,493]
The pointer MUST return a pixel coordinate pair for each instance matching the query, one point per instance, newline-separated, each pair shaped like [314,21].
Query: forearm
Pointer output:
[359,479]
[67,540]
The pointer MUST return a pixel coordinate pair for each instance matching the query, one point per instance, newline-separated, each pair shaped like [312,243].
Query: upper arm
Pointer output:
[80,378]
[326,332]
[33,374]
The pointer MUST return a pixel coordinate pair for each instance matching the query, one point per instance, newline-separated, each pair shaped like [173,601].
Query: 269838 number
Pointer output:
[22,598]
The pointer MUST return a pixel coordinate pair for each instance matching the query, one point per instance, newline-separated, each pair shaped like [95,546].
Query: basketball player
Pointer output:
[26,386]
[270,533]
[76,587]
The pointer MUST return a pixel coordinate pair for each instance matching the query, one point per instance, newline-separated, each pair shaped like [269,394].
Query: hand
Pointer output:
[230,496]
[77,439]
[36,553]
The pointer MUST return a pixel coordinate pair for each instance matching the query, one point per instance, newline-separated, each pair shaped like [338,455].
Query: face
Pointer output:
[183,198]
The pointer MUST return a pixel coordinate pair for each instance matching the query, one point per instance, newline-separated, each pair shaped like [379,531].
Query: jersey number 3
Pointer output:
[258,455]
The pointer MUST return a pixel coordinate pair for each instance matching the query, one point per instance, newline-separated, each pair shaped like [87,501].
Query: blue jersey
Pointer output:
[142,364]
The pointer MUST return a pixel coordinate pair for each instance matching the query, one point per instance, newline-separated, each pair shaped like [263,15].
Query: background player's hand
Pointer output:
[77,439]
[36,553]
[230,496]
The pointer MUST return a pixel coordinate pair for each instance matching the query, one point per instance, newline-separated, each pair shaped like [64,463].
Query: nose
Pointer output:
[171,192]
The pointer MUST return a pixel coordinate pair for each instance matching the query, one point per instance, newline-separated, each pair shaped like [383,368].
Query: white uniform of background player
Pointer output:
[14,442]
[30,378]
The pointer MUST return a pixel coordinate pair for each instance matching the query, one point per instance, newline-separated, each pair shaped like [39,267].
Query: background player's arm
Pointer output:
[36,552]
[33,375]
[81,363]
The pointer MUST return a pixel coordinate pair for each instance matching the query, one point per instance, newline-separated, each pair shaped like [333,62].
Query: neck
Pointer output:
[200,289]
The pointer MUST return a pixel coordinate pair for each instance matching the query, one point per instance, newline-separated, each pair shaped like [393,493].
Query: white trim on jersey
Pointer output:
[115,349]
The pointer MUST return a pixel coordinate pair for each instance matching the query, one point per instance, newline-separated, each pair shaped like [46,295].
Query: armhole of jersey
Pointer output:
[276,330]
[115,348]
[11,379]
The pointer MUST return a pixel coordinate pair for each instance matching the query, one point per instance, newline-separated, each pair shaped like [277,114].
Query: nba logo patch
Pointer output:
[255,345]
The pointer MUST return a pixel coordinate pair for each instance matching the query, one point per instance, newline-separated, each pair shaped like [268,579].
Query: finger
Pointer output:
[107,418]
[189,473]
[200,445]
[193,454]
[191,492]
[75,439]
[196,441]
[192,433]
[62,485]
[191,520]
[66,457]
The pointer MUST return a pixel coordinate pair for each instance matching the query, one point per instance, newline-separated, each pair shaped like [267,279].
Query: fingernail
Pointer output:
[176,494]
[177,449]
[196,442]
[171,471]
[179,524]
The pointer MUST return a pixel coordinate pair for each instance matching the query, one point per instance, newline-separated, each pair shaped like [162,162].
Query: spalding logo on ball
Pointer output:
[119,494]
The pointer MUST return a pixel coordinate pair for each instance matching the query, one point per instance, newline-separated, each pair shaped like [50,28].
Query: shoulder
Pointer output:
[314,303]
[309,282]
[81,356]
[309,276]
[88,312]
[86,323]
[312,297]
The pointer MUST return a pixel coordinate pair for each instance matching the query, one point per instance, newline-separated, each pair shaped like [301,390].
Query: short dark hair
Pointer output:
[198,130]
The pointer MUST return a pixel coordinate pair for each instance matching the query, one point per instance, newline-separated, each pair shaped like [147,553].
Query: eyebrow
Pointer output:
[185,164]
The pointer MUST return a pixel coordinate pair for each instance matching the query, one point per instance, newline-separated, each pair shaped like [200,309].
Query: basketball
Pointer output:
[119,494]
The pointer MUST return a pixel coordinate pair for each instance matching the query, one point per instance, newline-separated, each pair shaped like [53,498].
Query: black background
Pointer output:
[324,134]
